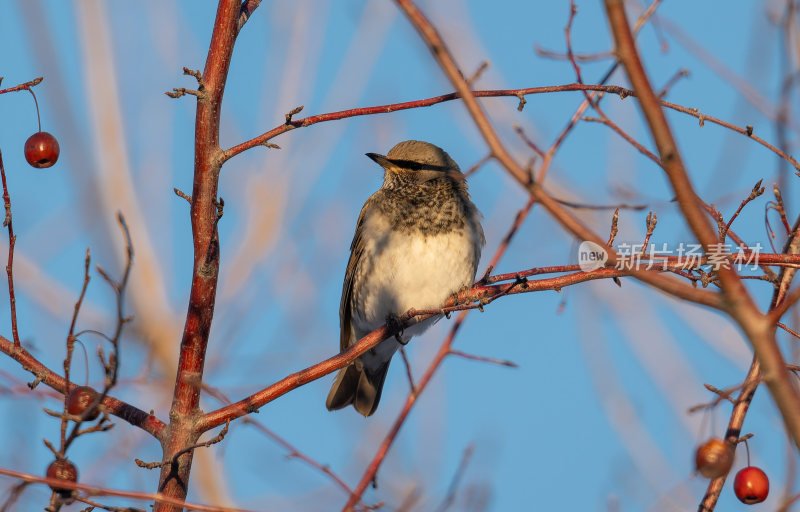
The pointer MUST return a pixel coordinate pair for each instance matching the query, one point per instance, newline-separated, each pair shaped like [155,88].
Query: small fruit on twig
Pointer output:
[41,150]
[751,485]
[714,458]
[65,471]
[79,399]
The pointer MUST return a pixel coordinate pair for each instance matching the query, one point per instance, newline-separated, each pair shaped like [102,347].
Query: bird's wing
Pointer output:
[345,316]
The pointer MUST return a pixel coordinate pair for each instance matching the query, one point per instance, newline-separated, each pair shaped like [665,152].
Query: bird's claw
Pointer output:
[395,325]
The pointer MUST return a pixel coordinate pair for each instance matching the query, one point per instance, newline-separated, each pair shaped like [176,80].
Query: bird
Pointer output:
[417,242]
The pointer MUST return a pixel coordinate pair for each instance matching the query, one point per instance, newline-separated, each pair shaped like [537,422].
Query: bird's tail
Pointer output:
[361,388]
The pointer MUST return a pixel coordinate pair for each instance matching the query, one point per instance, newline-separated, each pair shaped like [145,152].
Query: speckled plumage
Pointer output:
[418,241]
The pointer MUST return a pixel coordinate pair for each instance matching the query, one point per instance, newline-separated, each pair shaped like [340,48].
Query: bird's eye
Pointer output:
[417,166]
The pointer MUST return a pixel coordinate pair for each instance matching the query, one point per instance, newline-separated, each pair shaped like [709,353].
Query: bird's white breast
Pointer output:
[410,270]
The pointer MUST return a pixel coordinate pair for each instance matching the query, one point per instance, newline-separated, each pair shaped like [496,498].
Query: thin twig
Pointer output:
[614,228]
[450,497]
[174,460]
[741,405]
[757,191]
[787,329]
[248,6]
[70,346]
[94,504]
[651,222]
[583,206]
[297,454]
[478,72]
[12,298]
[622,92]
[672,81]
[581,57]
[388,440]
[622,133]
[23,86]
[182,194]
[528,141]
[95,490]
[13,495]
[477,165]
[294,452]
[493,360]
[407,364]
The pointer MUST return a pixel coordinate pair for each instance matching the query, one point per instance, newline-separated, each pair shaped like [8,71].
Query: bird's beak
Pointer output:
[380,160]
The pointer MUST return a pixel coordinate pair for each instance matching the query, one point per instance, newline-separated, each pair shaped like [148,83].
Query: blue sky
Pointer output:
[595,416]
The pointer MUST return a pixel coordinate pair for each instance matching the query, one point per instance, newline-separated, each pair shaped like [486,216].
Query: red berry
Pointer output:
[751,485]
[714,458]
[79,399]
[41,150]
[62,470]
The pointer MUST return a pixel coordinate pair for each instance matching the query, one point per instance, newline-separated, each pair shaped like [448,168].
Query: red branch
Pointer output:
[741,405]
[622,92]
[751,382]
[127,412]
[204,211]
[12,239]
[23,87]
[380,454]
[738,302]
[474,298]
[94,490]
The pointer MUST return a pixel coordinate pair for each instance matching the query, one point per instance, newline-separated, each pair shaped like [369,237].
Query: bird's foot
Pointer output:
[395,325]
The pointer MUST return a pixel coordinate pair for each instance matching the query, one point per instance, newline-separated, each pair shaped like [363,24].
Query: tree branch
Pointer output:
[622,92]
[174,478]
[738,302]
[123,410]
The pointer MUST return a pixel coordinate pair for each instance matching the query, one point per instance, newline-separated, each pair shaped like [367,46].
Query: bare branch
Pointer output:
[739,303]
